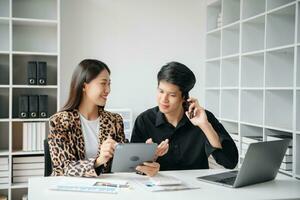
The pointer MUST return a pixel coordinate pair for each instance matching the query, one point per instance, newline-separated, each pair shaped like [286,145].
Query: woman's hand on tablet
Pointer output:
[107,150]
[162,148]
[149,168]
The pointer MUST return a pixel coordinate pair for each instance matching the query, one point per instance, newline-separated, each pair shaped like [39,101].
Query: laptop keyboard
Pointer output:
[228,181]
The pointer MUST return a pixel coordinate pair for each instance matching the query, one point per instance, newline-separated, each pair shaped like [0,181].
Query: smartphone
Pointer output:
[186,106]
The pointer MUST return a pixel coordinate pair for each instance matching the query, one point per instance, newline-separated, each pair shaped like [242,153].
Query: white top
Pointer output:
[90,131]
[283,187]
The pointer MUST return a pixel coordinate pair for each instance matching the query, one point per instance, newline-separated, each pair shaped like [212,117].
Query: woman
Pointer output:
[83,135]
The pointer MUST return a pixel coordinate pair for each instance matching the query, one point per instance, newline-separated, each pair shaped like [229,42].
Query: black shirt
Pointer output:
[188,145]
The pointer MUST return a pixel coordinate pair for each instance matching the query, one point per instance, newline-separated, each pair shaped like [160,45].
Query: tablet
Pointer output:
[129,155]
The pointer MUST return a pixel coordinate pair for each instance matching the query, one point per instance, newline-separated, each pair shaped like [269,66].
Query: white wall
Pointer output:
[134,38]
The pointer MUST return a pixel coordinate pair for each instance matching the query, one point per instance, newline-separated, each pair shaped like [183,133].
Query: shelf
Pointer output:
[37,9]
[250,28]
[253,7]
[4,8]
[4,138]
[212,74]
[229,104]
[297,169]
[36,22]
[230,127]
[252,106]
[52,96]
[4,152]
[213,11]
[4,102]
[280,68]
[4,35]
[251,124]
[34,38]
[281,27]
[34,53]
[212,101]
[231,12]
[230,72]
[298,68]
[16,152]
[4,69]
[298,110]
[247,130]
[19,185]
[279,109]
[272,4]
[252,71]
[213,45]
[20,69]
[230,40]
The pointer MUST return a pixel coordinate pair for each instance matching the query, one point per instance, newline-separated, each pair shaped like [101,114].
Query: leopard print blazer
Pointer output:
[66,142]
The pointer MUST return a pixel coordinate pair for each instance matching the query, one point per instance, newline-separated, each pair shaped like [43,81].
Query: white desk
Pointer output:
[283,187]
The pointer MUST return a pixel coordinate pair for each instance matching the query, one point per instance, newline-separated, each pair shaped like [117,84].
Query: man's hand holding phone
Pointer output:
[196,113]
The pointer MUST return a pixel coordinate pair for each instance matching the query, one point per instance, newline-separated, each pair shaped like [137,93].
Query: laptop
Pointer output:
[129,155]
[261,164]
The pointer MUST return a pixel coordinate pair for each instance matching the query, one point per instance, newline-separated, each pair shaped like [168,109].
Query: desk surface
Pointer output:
[283,187]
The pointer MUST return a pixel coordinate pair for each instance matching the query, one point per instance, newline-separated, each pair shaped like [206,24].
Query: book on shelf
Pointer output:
[2,197]
[4,180]
[23,179]
[3,160]
[28,172]
[280,137]
[4,173]
[287,158]
[28,159]
[34,134]
[251,139]
[29,166]
[286,166]
[3,167]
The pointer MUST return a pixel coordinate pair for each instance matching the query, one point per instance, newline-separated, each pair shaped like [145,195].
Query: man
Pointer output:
[186,133]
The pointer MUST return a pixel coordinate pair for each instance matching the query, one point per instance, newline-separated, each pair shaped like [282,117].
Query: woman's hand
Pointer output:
[162,148]
[149,168]
[107,150]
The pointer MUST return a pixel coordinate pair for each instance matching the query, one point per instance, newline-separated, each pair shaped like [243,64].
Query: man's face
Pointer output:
[169,98]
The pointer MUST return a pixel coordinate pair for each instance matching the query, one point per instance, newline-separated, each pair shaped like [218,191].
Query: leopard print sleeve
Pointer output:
[120,135]
[65,158]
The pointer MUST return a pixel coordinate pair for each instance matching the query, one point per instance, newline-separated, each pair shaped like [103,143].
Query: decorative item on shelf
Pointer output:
[219,20]
[37,72]
[23,106]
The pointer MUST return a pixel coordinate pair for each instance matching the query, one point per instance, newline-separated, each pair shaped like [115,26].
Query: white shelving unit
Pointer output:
[29,31]
[252,73]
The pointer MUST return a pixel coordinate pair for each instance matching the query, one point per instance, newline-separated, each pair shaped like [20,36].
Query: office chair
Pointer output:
[47,159]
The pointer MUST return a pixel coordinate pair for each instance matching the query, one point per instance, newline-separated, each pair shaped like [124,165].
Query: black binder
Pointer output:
[23,106]
[32,72]
[42,73]
[33,106]
[43,106]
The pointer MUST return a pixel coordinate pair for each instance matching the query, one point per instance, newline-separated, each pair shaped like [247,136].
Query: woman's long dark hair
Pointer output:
[85,72]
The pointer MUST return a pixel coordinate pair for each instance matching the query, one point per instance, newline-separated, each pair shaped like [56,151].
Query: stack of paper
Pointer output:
[4,180]
[27,166]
